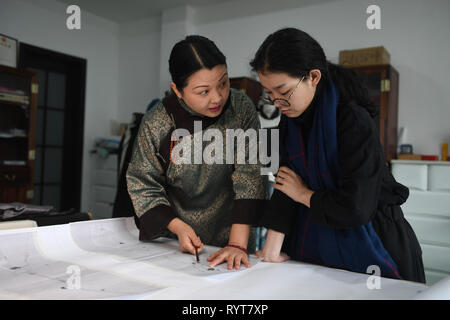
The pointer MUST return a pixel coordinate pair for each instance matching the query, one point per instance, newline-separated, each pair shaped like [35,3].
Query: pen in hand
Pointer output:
[196,254]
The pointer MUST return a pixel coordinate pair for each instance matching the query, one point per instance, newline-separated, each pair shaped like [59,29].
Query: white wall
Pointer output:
[139,64]
[44,25]
[127,63]
[176,23]
[415,32]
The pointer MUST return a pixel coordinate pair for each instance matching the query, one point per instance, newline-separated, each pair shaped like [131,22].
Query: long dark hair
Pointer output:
[295,52]
[190,55]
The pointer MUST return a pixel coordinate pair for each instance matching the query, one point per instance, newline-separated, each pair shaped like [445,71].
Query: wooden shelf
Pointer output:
[16,180]
[13,138]
[13,103]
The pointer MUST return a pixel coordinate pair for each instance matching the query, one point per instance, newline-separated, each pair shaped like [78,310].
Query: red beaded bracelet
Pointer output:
[237,247]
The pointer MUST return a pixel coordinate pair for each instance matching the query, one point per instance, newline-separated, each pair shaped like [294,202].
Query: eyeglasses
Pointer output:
[280,102]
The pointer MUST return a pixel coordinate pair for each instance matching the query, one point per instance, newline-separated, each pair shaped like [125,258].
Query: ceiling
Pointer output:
[120,11]
[129,10]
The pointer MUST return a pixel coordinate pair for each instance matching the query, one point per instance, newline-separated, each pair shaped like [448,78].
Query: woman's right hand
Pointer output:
[187,238]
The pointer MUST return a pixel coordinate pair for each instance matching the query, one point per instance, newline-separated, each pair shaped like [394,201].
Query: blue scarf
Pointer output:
[353,249]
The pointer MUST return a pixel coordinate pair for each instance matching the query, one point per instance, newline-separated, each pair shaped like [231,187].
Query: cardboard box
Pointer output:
[364,57]
[409,157]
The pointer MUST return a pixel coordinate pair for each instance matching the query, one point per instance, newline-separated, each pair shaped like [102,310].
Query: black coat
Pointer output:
[366,191]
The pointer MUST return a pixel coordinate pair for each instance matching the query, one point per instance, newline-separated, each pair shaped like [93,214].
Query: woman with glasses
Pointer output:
[198,202]
[335,201]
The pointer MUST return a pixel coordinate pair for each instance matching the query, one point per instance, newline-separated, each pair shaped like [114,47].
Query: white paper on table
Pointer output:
[187,263]
[438,291]
[34,262]
[114,238]
[118,239]
[27,274]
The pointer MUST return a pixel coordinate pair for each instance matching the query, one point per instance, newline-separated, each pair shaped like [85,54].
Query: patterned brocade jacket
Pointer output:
[208,197]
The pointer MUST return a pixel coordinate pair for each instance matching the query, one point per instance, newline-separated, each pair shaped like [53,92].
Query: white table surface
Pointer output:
[103,259]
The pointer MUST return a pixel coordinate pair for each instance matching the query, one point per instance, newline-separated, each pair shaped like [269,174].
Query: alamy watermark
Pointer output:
[74,281]
[374,20]
[237,150]
[374,281]
[74,20]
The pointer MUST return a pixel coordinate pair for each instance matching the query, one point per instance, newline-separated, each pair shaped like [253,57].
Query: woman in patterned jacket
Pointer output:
[200,203]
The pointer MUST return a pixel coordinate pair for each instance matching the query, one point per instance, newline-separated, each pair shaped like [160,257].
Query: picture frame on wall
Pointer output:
[8,51]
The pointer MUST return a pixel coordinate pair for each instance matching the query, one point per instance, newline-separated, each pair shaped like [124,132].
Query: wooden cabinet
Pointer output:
[18,101]
[382,84]
[249,86]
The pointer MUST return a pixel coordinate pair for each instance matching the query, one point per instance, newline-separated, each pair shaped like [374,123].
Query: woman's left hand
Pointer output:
[233,256]
[291,184]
